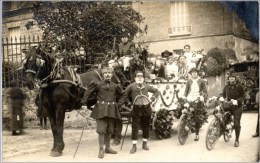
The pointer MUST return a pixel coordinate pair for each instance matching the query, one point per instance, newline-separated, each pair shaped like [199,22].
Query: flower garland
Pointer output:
[201,116]
[163,100]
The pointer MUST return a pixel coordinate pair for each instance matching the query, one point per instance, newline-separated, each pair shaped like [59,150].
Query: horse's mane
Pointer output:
[49,63]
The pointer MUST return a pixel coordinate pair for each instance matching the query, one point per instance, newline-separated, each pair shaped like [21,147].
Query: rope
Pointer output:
[81,132]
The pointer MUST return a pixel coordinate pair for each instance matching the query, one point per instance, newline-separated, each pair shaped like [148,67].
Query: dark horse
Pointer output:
[60,89]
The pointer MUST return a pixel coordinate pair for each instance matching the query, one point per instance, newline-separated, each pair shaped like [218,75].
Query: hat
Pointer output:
[137,72]
[125,33]
[106,69]
[166,54]
[193,70]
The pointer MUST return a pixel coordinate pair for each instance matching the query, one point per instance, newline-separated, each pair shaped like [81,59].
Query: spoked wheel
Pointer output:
[182,132]
[227,135]
[213,134]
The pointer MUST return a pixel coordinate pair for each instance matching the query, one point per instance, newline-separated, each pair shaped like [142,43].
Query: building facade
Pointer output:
[202,25]
[171,25]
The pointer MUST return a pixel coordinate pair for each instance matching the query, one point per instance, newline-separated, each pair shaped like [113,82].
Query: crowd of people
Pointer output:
[111,98]
[168,65]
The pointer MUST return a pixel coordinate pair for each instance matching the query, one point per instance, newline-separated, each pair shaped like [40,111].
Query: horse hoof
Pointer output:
[55,154]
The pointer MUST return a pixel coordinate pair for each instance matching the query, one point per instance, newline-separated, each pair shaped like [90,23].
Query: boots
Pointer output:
[14,133]
[236,143]
[196,138]
[145,146]
[116,142]
[255,135]
[107,142]
[110,150]
[133,150]
[101,138]
[101,153]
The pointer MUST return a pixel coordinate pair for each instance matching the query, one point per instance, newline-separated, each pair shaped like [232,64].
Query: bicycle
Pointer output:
[222,124]
[187,119]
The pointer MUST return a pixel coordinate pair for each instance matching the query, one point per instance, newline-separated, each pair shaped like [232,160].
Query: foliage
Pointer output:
[90,25]
[11,71]
[163,123]
[189,108]
[217,60]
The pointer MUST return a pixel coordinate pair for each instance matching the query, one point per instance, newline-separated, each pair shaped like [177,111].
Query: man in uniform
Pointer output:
[137,95]
[106,110]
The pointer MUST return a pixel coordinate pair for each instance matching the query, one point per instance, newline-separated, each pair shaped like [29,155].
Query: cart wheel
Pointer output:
[213,134]
[182,133]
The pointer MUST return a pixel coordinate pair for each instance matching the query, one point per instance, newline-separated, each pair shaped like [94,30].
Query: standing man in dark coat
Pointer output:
[235,93]
[137,95]
[106,110]
[16,98]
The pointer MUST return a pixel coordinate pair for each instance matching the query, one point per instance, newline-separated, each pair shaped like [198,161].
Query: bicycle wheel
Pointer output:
[182,132]
[213,134]
[227,135]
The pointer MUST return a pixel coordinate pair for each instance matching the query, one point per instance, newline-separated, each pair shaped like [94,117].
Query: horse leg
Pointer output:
[41,124]
[54,134]
[60,115]
[45,122]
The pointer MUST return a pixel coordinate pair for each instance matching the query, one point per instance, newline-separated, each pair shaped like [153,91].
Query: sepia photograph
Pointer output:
[130,81]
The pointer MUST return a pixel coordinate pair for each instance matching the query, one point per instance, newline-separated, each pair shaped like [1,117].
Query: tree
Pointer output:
[93,26]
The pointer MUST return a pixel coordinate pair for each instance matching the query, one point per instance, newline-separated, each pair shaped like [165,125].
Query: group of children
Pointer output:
[174,66]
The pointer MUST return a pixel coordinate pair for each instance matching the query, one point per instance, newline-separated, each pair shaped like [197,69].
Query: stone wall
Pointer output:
[19,21]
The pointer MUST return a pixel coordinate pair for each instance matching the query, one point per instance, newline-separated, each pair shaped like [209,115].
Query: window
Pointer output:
[14,44]
[179,19]
[178,51]
[14,32]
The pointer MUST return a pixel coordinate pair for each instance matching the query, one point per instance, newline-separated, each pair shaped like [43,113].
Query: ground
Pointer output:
[35,146]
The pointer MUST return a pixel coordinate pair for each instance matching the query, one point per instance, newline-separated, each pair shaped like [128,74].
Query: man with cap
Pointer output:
[137,96]
[124,48]
[196,89]
[110,97]
[235,93]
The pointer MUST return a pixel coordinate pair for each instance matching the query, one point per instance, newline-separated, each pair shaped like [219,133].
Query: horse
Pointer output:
[61,89]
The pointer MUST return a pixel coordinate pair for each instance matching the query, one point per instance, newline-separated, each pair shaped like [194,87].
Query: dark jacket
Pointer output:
[124,49]
[235,92]
[133,90]
[106,95]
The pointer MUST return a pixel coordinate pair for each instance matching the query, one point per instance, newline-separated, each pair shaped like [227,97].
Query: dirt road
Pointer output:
[36,144]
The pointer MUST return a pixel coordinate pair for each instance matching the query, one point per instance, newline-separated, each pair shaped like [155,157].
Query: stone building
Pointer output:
[200,24]
[171,25]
